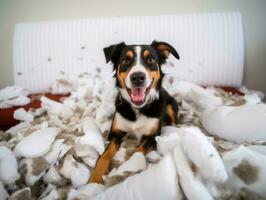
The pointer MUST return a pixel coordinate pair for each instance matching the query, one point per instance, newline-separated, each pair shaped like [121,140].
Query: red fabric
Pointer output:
[6,115]
[232,90]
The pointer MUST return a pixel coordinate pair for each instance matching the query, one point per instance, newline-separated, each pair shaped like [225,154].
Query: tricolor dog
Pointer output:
[143,106]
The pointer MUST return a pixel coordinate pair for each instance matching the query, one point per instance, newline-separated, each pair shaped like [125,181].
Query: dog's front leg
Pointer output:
[115,138]
[148,144]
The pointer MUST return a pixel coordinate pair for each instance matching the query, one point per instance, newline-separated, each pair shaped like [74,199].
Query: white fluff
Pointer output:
[135,163]
[252,99]
[18,101]
[56,108]
[87,153]
[15,129]
[58,150]
[24,194]
[11,92]
[204,99]
[202,153]
[167,141]
[22,115]
[52,176]
[77,172]
[251,92]
[64,84]
[92,136]
[85,192]
[157,182]
[200,97]
[258,148]
[244,123]
[191,185]
[256,160]
[28,163]
[8,166]
[37,143]
[46,193]
[153,156]
[53,195]
[38,112]
[13,96]
[3,192]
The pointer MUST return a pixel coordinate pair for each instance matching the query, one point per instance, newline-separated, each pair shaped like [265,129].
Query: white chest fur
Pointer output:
[142,126]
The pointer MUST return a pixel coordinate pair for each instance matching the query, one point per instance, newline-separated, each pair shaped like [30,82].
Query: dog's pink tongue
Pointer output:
[138,94]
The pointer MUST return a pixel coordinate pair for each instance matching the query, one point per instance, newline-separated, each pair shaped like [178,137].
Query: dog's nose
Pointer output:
[138,78]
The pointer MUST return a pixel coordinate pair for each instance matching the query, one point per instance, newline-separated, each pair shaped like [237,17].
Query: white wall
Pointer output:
[253,12]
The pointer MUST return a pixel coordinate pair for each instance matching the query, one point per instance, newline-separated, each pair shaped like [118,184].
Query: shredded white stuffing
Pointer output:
[55,148]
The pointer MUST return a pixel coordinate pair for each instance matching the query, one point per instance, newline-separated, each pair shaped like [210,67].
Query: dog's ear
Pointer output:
[113,52]
[164,49]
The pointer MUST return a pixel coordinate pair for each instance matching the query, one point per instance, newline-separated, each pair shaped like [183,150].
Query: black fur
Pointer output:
[153,108]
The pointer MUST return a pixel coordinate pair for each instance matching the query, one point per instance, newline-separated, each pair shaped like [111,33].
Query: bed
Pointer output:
[216,151]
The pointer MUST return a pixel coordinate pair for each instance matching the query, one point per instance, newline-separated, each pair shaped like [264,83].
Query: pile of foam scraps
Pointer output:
[216,152]
[13,96]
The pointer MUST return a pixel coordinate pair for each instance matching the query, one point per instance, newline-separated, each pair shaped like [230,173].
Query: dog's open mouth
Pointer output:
[138,94]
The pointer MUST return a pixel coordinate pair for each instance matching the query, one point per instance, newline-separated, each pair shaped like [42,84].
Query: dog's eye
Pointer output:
[150,60]
[125,61]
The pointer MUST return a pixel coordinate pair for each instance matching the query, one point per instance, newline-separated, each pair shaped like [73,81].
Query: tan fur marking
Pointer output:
[130,54]
[141,147]
[154,129]
[170,112]
[122,78]
[163,49]
[103,163]
[155,76]
[146,53]
[114,125]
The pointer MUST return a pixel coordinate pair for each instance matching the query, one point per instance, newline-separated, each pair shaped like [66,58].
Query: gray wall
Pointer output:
[253,12]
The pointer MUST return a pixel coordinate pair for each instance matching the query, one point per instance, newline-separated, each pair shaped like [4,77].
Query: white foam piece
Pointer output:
[92,136]
[203,154]
[18,101]
[192,186]
[52,176]
[22,115]
[24,193]
[15,129]
[85,192]
[3,193]
[8,166]
[252,99]
[40,140]
[58,150]
[157,182]
[30,177]
[244,123]
[56,108]
[253,168]
[10,92]
[135,163]
[77,172]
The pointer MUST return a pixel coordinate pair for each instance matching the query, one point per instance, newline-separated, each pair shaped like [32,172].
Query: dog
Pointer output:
[143,106]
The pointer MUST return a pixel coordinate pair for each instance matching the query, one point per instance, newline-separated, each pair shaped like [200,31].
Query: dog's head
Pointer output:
[138,69]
